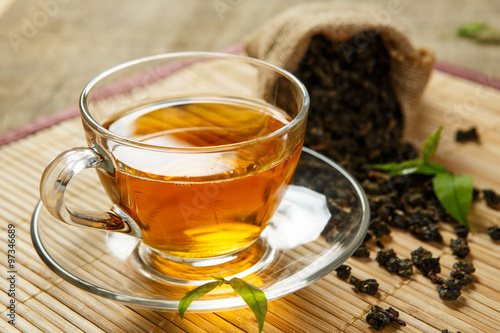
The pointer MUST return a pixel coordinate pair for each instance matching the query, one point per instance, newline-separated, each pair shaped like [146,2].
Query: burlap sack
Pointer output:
[284,40]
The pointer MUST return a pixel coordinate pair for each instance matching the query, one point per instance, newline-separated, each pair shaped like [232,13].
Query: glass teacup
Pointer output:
[195,151]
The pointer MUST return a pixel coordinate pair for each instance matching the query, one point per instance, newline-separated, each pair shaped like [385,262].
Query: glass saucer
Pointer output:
[321,222]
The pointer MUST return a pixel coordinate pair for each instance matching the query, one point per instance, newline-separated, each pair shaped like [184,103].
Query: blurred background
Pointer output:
[51,48]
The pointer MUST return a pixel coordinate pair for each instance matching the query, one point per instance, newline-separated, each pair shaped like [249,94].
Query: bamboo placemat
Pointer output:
[47,303]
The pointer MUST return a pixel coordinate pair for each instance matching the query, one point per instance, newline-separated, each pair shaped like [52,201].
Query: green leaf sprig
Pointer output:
[454,192]
[253,296]
[480,32]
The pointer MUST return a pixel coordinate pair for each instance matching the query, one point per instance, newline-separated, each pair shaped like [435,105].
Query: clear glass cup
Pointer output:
[187,202]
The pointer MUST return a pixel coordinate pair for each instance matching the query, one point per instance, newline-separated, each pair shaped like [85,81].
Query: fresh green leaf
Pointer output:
[417,165]
[254,297]
[384,167]
[455,194]
[220,279]
[197,292]
[430,145]
[407,167]
[479,32]
[397,169]
[430,168]
[471,29]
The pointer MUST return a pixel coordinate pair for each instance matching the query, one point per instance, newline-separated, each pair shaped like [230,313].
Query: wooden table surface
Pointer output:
[51,48]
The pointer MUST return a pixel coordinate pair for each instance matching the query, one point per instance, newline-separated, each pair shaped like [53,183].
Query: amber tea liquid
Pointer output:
[195,205]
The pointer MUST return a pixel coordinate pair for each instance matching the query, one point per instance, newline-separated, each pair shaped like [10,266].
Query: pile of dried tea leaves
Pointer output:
[356,120]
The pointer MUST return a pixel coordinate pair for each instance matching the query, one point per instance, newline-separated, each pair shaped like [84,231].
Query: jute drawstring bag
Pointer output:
[284,40]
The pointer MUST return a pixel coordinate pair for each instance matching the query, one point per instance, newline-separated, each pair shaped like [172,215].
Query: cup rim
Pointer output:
[95,125]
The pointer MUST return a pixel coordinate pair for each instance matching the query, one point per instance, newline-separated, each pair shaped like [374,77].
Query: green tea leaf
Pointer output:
[407,167]
[220,279]
[384,167]
[197,292]
[430,168]
[471,29]
[479,32]
[254,297]
[455,194]
[430,145]
[397,169]
[417,165]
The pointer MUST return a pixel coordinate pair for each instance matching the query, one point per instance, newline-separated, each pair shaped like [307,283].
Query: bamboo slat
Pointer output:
[47,303]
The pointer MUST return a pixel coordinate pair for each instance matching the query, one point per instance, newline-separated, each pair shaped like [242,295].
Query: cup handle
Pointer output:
[56,178]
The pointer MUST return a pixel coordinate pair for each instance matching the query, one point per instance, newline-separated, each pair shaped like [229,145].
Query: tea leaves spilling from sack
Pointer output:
[355,118]
[357,121]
